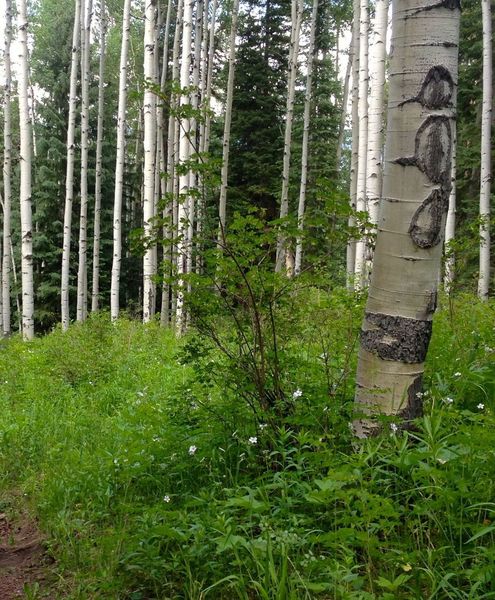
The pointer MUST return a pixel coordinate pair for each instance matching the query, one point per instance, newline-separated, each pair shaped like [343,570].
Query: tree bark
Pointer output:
[69,176]
[119,166]
[449,274]
[403,292]
[297,13]
[305,141]
[25,185]
[485,175]
[99,157]
[7,170]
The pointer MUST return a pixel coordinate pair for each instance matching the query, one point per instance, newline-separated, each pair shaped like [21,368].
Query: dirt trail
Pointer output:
[23,562]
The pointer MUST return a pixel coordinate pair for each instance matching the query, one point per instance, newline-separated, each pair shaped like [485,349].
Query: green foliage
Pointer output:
[155,479]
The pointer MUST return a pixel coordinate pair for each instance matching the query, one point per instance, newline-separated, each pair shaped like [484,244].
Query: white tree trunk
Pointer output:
[297,13]
[449,274]
[25,185]
[222,207]
[99,155]
[351,244]
[69,176]
[485,176]
[7,171]
[363,137]
[374,167]
[119,166]
[149,286]
[345,100]
[416,185]
[184,152]
[305,142]
[82,274]
[209,76]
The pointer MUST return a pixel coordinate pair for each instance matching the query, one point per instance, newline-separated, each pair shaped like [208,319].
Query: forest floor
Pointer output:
[25,570]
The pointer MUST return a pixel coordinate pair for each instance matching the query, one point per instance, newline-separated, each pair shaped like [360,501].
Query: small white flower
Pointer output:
[192,450]
[481,406]
[115,461]
[263,426]
[394,427]
[297,393]
[166,498]
[448,400]
[457,374]
[325,409]
[419,394]
[253,440]
[141,394]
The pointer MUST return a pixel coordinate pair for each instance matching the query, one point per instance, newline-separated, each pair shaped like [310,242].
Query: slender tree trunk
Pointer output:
[363,136]
[416,185]
[184,151]
[119,166]
[374,166]
[82,274]
[305,142]
[25,186]
[69,177]
[149,286]
[99,163]
[209,76]
[351,244]
[345,100]
[297,12]
[486,176]
[222,210]
[7,171]
[449,274]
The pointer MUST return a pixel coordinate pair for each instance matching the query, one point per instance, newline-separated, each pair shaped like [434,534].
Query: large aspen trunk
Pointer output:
[305,142]
[402,297]
[82,274]
[297,13]
[25,186]
[351,244]
[485,175]
[184,152]
[99,164]
[449,274]
[119,166]
[69,176]
[149,286]
[361,205]
[222,206]
[7,171]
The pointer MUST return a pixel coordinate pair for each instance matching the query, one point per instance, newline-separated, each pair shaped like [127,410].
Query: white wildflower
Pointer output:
[263,426]
[253,440]
[419,394]
[166,498]
[457,374]
[141,394]
[394,427]
[448,400]
[297,394]
[192,450]
[481,406]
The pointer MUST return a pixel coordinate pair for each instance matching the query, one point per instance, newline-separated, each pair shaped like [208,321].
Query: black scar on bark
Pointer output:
[414,406]
[436,90]
[433,150]
[450,4]
[426,229]
[397,338]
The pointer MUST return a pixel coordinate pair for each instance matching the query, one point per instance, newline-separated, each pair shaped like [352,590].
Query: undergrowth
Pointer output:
[154,479]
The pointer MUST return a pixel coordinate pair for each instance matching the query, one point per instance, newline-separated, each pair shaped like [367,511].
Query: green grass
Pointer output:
[98,428]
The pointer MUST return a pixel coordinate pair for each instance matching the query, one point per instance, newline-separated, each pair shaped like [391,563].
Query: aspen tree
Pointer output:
[209,77]
[149,111]
[184,152]
[69,176]
[7,170]
[449,274]
[351,244]
[222,207]
[305,142]
[99,163]
[25,185]
[296,13]
[363,136]
[485,175]
[345,100]
[82,273]
[416,184]
[119,165]
[375,115]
